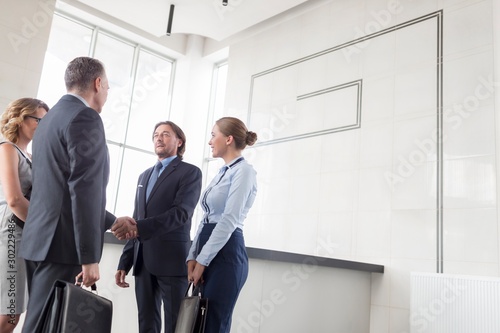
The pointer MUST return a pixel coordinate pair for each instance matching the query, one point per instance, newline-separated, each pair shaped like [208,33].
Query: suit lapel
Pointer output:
[141,190]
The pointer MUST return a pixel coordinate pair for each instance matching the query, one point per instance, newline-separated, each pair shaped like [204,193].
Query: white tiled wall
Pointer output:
[337,186]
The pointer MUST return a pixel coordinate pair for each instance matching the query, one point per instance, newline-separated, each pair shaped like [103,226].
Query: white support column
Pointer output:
[24,32]
[191,96]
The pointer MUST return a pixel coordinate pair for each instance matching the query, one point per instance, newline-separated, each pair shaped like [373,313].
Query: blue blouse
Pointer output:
[226,202]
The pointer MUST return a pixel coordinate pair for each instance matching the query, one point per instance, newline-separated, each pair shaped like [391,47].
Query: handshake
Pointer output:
[125,228]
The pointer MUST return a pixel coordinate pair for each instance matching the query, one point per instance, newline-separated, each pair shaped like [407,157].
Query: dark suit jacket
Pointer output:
[164,221]
[67,217]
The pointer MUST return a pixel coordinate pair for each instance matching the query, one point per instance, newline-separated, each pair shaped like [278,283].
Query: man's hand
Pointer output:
[120,279]
[89,275]
[125,228]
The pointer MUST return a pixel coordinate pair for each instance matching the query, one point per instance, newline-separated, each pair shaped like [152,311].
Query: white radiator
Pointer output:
[443,303]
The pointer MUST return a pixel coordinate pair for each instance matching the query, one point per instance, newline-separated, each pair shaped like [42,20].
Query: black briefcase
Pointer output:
[70,308]
[193,311]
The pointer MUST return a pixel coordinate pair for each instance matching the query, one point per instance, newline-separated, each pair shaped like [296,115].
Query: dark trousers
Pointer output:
[42,276]
[223,279]
[150,291]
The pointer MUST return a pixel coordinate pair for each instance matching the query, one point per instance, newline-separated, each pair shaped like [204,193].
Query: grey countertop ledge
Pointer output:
[296,258]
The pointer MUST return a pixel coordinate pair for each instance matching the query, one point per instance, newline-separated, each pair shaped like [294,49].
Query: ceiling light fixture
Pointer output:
[170,19]
[224,2]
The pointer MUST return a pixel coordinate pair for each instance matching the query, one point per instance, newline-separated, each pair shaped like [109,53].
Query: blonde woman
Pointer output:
[17,126]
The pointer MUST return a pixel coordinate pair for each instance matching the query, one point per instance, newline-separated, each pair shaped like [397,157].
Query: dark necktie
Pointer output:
[153,178]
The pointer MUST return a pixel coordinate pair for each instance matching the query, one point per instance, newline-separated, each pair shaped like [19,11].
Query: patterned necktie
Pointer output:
[153,178]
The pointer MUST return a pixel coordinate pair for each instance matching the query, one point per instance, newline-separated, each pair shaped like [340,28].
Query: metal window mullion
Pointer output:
[439,164]
[93,41]
[133,74]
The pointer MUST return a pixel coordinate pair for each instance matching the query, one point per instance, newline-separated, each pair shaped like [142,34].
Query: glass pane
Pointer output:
[118,58]
[220,92]
[218,97]
[67,41]
[150,98]
[114,173]
[134,163]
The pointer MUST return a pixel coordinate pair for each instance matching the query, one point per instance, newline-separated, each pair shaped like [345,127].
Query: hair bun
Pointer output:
[251,138]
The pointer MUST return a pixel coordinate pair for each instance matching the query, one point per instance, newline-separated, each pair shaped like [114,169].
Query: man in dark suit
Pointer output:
[163,211]
[64,231]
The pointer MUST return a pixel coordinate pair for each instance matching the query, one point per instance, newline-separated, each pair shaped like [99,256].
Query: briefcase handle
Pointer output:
[195,290]
[93,287]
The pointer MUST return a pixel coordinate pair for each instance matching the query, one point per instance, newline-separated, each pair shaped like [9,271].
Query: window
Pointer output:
[139,97]
[217,111]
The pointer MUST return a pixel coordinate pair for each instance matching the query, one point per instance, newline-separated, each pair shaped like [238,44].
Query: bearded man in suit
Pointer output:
[165,199]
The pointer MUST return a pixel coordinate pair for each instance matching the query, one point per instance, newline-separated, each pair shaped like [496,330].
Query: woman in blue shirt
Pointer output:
[218,257]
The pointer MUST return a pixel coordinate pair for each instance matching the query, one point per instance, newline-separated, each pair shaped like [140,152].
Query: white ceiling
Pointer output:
[208,18]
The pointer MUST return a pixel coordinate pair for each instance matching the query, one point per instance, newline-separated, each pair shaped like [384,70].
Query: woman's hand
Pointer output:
[195,272]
